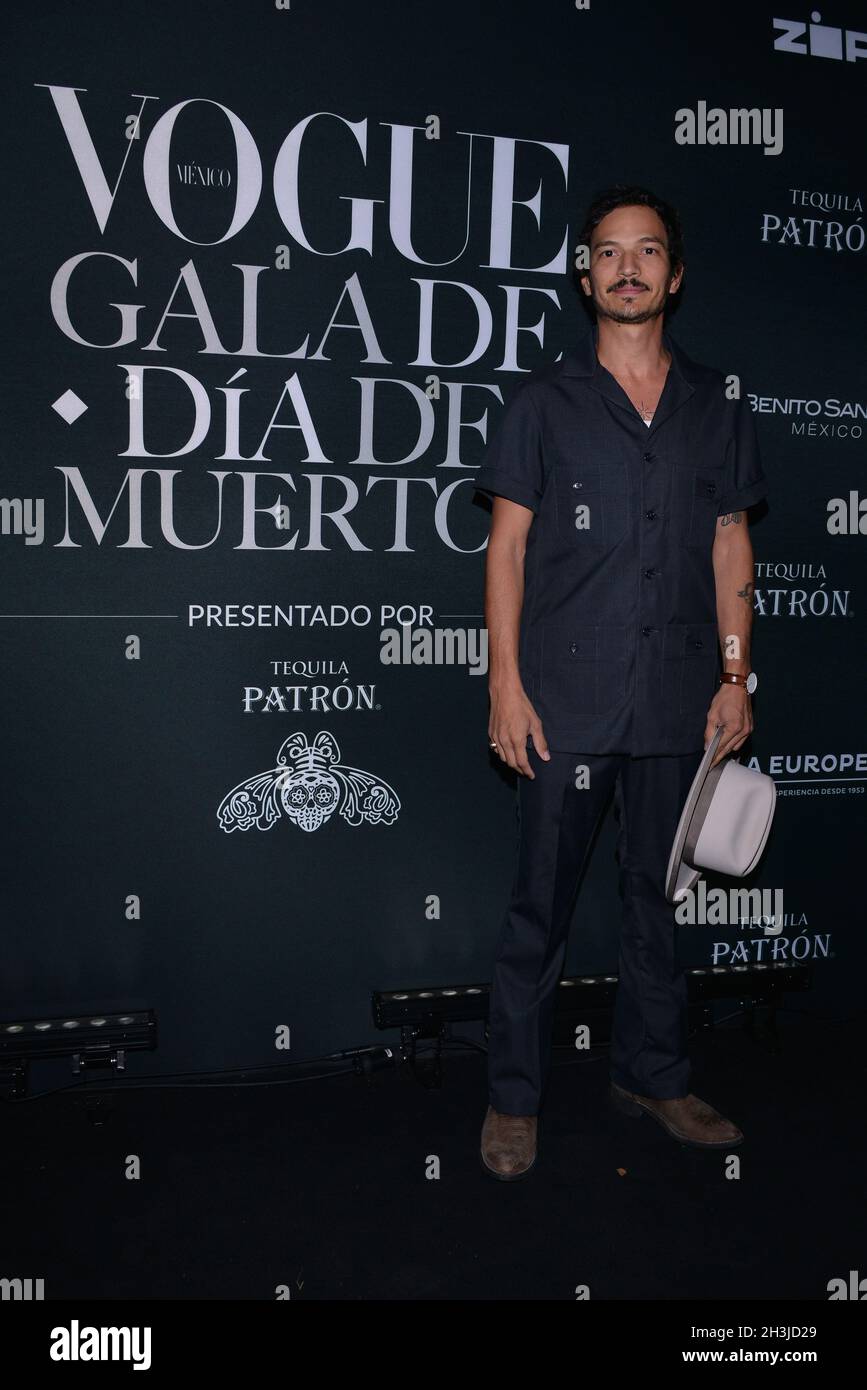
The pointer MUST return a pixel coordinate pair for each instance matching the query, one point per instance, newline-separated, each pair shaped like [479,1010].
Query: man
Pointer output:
[619,565]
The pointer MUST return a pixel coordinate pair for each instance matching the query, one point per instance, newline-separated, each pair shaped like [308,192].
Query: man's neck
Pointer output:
[634,350]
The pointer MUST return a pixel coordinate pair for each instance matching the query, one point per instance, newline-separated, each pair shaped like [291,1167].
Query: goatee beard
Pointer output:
[606,311]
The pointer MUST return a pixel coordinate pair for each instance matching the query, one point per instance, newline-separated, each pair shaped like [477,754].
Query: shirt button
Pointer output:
[651,516]
[647,631]
[577,484]
[648,458]
[710,489]
[573,647]
[650,574]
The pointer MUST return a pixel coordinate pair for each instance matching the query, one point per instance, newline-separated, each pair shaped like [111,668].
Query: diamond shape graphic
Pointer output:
[69,406]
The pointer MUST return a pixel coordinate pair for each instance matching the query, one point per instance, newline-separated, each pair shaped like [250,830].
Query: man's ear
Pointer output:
[674,284]
[585,284]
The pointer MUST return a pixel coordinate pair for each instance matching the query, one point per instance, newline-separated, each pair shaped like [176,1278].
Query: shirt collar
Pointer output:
[582,360]
[683,375]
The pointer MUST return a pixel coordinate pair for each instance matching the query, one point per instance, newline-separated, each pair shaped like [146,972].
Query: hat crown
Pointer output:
[725,822]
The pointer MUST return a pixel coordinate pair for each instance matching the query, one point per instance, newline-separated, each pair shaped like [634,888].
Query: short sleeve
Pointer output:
[745,481]
[513,465]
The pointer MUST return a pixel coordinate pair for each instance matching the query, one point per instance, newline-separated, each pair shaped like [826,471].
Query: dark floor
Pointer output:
[321,1186]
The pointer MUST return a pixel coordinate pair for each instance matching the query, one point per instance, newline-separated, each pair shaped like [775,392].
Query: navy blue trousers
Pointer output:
[556,825]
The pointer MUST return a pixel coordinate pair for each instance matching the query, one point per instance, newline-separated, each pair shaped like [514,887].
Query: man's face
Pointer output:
[629,277]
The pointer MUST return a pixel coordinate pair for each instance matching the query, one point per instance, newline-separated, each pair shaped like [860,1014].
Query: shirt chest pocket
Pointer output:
[695,505]
[592,510]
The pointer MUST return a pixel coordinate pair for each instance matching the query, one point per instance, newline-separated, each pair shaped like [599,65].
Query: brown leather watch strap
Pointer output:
[732,678]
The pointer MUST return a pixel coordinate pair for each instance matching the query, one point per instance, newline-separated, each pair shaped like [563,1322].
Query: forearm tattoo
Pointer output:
[731,517]
[746,593]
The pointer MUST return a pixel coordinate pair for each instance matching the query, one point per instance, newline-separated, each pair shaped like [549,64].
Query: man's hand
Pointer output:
[731,708]
[512,719]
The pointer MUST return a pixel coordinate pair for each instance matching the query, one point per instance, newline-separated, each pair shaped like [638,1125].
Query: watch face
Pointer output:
[752,682]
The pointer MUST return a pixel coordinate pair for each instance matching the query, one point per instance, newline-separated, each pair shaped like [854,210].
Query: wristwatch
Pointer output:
[748,683]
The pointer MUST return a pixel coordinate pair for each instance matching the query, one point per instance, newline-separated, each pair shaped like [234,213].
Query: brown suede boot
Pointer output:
[509,1145]
[686,1118]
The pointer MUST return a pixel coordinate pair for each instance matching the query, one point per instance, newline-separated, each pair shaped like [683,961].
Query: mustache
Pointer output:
[620,284]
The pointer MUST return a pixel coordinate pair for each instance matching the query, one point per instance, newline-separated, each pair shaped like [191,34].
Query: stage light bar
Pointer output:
[85,1034]
[437,1004]
[457,1003]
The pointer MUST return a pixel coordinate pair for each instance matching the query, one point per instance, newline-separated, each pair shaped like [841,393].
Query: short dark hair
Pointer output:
[631,195]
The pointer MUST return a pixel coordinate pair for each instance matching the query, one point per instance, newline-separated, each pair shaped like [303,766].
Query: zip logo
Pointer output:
[823,40]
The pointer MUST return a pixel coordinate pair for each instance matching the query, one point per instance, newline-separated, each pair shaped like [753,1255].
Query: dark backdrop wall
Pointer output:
[271,273]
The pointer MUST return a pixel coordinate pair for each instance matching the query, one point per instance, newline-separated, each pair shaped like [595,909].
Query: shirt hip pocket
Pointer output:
[583,672]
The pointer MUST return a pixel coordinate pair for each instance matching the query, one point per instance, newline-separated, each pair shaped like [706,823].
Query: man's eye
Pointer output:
[652,249]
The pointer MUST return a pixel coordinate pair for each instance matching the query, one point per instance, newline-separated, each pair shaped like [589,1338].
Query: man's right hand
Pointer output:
[512,719]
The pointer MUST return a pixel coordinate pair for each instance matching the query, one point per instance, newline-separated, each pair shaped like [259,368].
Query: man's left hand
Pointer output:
[730,707]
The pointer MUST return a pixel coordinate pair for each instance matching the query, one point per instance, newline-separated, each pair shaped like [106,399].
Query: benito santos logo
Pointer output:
[308,785]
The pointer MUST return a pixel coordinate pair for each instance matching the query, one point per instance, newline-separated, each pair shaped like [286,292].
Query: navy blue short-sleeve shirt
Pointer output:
[619,645]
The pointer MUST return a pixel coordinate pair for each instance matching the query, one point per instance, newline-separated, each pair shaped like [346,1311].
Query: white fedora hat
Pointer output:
[724,825]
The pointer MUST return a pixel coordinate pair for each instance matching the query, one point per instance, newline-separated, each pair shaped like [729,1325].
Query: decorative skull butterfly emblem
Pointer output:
[309,784]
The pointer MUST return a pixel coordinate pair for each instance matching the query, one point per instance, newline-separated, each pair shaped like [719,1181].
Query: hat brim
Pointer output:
[680,877]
